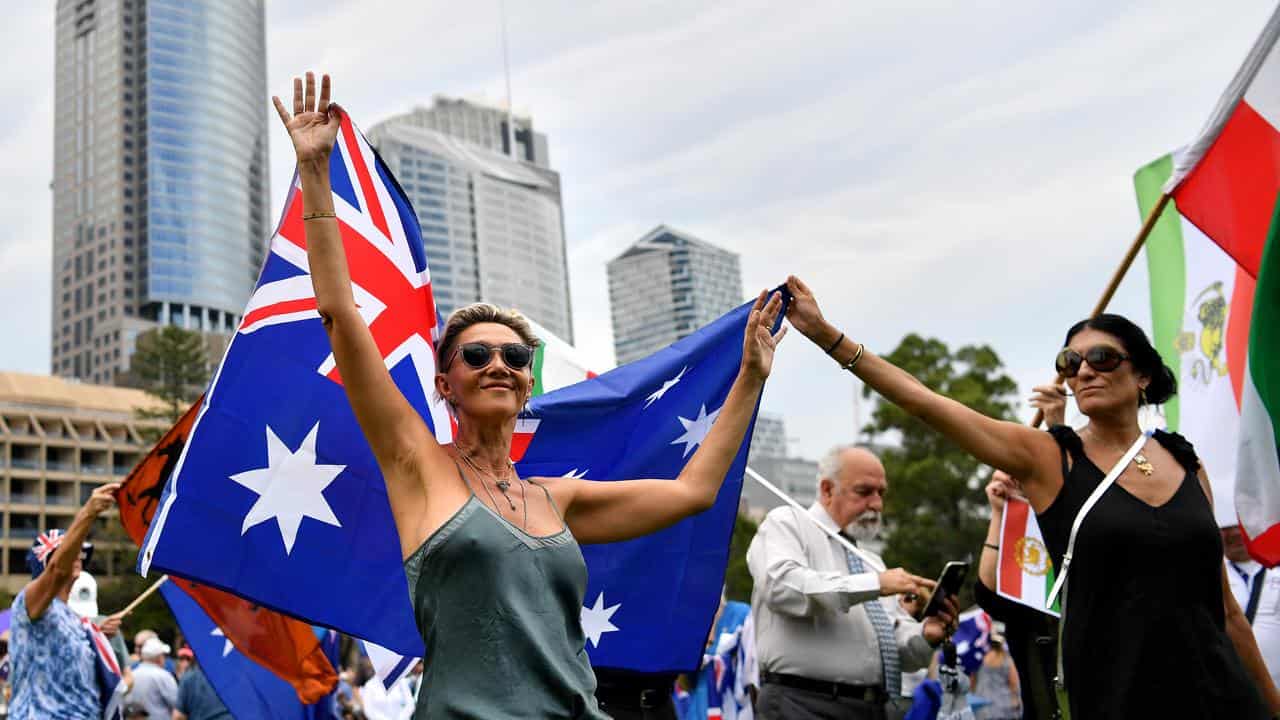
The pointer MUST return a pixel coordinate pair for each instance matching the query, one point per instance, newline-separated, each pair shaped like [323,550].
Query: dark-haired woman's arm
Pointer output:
[1239,629]
[1028,454]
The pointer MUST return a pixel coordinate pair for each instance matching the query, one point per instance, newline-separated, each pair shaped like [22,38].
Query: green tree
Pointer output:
[172,364]
[935,510]
[737,579]
[115,593]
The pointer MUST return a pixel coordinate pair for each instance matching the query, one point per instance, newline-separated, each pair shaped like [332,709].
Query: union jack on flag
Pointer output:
[46,543]
[276,496]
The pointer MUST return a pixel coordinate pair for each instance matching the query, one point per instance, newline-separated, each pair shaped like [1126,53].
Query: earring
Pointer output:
[1142,396]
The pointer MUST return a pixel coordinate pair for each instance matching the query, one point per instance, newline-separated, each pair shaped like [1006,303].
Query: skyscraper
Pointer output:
[483,125]
[492,225]
[160,172]
[665,286]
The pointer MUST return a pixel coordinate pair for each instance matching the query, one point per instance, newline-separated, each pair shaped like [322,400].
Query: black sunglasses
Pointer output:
[1102,358]
[477,355]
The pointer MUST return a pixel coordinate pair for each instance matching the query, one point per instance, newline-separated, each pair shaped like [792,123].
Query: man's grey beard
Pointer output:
[864,527]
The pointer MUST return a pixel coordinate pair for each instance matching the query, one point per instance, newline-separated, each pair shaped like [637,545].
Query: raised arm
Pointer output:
[1021,451]
[60,566]
[400,440]
[601,512]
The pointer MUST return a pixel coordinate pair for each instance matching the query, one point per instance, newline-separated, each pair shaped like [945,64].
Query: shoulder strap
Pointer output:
[463,475]
[1096,495]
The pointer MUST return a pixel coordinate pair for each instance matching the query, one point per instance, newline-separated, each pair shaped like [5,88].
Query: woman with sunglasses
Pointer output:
[1152,629]
[492,559]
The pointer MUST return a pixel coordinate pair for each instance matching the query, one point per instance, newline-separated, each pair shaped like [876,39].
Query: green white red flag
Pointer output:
[1201,304]
[1025,572]
[1226,184]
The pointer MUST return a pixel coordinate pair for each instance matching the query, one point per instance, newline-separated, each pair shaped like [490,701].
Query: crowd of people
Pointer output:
[1151,624]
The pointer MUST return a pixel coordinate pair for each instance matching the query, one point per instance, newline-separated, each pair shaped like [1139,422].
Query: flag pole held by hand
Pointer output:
[145,594]
[1147,226]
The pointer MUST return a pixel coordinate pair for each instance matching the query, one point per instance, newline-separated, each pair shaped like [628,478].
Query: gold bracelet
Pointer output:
[317,215]
[856,357]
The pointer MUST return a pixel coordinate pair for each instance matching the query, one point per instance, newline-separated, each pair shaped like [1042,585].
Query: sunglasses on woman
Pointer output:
[1102,358]
[477,355]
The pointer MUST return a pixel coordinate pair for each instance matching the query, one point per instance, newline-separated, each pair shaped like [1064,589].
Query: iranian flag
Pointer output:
[1201,302]
[1025,573]
[1226,184]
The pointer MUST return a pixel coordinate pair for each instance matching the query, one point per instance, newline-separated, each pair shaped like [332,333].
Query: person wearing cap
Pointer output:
[53,662]
[185,658]
[154,688]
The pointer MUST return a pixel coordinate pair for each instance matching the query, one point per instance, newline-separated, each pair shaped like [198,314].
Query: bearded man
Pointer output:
[831,638]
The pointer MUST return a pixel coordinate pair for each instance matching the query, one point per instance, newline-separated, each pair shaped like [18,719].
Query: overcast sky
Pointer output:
[960,170]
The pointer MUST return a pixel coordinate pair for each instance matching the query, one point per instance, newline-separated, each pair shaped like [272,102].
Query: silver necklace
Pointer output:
[503,485]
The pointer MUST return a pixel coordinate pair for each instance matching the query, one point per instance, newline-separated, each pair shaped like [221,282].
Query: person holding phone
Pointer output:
[1151,628]
[831,638]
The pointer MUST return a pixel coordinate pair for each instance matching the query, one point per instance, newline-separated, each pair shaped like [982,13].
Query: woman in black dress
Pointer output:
[1152,629]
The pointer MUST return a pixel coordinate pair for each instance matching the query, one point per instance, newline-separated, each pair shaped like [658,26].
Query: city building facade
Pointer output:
[160,176]
[483,125]
[493,226]
[59,440]
[665,286]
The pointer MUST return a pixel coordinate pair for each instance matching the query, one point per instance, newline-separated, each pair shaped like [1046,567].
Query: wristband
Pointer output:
[835,344]
[993,547]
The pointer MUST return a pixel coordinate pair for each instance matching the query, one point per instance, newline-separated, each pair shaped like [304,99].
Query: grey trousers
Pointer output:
[779,702]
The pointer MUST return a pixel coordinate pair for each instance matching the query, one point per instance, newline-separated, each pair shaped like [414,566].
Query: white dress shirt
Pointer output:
[1266,623]
[807,607]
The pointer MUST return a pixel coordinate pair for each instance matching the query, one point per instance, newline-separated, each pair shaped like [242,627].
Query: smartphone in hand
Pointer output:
[949,583]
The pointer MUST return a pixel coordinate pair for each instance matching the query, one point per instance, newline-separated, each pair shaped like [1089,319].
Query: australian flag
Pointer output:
[277,498]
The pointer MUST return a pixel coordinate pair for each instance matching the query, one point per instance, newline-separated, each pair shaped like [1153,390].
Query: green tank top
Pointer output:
[499,613]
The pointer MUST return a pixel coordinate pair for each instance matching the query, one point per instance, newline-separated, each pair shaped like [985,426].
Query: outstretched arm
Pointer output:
[1021,451]
[400,440]
[600,512]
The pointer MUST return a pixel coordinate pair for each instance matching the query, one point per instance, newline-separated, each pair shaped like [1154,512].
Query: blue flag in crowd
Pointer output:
[245,687]
[972,639]
[651,601]
[277,497]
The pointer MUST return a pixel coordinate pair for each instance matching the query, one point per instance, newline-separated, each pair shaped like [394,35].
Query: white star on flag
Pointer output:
[657,394]
[576,474]
[227,647]
[695,431]
[595,620]
[290,487]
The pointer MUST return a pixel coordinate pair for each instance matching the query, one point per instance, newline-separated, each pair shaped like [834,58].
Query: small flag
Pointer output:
[1025,573]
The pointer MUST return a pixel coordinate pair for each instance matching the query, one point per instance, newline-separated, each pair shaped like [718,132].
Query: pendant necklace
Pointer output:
[503,484]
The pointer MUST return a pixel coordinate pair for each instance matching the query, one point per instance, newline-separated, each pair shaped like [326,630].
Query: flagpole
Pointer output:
[871,560]
[145,594]
[1109,292]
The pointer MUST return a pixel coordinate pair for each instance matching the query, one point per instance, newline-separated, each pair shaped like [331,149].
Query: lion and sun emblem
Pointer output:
[1211,311]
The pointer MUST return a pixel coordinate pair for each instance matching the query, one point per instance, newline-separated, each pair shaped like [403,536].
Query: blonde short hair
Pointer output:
[474,314]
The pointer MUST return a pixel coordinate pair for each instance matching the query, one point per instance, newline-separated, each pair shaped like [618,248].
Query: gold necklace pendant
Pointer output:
[1143,464]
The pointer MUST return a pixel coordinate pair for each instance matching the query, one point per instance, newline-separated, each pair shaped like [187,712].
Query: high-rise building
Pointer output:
[492,225]
[795,476]
[483,125]
[58,441]
[665,286]
[159,173]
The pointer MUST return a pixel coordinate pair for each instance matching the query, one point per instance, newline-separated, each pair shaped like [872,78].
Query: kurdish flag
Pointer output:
[1226,184]
[1025,573]
[1201,303]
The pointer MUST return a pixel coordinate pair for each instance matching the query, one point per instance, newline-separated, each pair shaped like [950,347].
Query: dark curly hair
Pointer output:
[1146,361]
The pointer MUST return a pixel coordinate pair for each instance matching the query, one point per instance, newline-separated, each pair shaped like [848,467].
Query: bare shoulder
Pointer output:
[562,489]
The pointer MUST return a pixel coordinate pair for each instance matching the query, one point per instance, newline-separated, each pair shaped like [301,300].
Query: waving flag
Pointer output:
[245,687]
[1227,180]
[650,602]
[281,644]
[1201,305]
[276,495]
[1258,489]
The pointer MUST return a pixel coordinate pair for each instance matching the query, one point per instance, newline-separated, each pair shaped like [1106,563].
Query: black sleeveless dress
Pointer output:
[1145,632]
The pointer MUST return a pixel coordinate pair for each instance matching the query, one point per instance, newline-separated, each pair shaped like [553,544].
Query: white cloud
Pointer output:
[961,171]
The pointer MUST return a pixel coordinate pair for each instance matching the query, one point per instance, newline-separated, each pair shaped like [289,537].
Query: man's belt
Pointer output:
[866,693]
